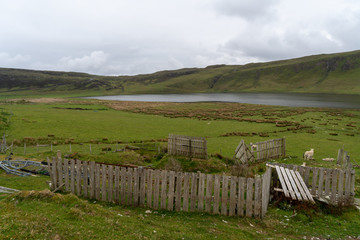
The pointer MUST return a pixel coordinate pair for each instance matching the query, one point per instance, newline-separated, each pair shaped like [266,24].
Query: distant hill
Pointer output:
[326,73]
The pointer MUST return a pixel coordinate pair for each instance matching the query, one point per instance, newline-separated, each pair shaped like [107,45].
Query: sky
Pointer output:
[128,37]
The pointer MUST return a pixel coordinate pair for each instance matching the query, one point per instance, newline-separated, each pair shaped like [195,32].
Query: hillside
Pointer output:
[326,73]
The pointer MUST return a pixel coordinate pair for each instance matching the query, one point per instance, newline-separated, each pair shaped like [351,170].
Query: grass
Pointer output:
[45,215]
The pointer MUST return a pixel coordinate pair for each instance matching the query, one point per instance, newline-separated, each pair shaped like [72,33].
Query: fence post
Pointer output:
[24,148]
[70,147]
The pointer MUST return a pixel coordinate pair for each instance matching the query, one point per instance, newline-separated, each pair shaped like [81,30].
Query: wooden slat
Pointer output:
[232,202]
[92,179]
[149,189]
[72,176]
[186,192]
[327,182]
[117,185]
[307,175]
[333,187]
[257,199]
[241,196]
[314,181]
[249,197]
[110,189]
[130,183]
[209,192]
[299,186]
[66,175]
[85,179]
[97,181]
[171,191]
[193,194]
[123,186]
[265,191]
[60,171]
[347,187]
[78,177]
[54,183]
[136,187]
[321,183]
[288,184]
[216,194]
[224,195]
[163,189]
[309,197]
[178,192]
[156,188]
[201,192]
[282,181]
[143,177]
[341,188]
[103,182]
[293,185]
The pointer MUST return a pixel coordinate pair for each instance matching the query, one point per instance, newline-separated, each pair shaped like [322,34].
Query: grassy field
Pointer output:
[43,215]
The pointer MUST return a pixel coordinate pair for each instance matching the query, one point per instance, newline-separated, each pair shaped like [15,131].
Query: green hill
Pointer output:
[326,73]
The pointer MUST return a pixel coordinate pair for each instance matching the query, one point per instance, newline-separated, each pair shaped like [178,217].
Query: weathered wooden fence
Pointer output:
[160,189]
[243,154]
[273,148]
[335,186]
[187,146]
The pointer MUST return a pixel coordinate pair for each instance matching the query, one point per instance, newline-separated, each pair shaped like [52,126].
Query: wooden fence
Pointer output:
[270,149]
[336,186]
[160,189]
[187,146]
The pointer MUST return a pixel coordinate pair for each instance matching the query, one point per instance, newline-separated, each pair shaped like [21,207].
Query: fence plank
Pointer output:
[178,187]
[249,197]
[341,188]
[307,175]
[266,178]
[321,183]
[257,203]
[72,175]
[92,179]
[209,192]
[232,204]
[66,173]
[186,192]
[201,192]
[149,189]
[110,183]
[85,179]
[78,177]
[54,184]
[136,187]
[123,186]
[163,189]
[103,182]
[282,181]
[193,194]
[347,187]
[314,181]
[117,186]
[143,177]
[241,196]
[216,194]
[171,192]
[156,188]
[327,182]
[129,192]
[224,195]
[60,171]
[97,181]
[333,187]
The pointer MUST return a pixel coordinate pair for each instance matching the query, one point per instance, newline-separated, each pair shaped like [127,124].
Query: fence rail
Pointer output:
[161,189]
[337,186]
[187,146]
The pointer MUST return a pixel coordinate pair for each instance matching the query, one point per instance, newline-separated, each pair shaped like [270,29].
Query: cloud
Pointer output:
[7,59]
[88,63]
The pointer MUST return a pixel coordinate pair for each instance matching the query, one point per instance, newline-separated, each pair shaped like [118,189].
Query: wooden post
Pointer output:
[24,148]
[70,147]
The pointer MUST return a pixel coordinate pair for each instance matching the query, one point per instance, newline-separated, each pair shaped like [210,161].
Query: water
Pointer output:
[280,99]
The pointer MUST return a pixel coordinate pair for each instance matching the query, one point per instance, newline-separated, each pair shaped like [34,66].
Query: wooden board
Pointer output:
[117,185]
[241,196]
[224,195]
[216,194]
[186,192]
[201,192]
[193,194]
[178,191]
[163,189]
[232,203]
[249,197]
[209,192]
[171,191]
[282,181]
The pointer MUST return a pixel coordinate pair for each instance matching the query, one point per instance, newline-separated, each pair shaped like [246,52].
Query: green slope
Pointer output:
[326,73]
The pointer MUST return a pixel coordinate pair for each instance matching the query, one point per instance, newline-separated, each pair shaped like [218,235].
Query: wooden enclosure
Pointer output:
[187,146]
[161,189]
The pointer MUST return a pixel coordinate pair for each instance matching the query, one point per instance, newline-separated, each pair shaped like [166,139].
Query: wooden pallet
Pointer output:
[292,184]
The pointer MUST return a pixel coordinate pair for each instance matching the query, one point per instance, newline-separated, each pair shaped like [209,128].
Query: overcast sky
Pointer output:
[118,37]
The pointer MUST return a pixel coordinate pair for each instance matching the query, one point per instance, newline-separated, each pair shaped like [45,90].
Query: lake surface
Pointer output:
[280,99]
